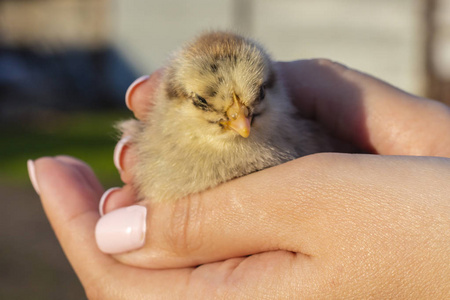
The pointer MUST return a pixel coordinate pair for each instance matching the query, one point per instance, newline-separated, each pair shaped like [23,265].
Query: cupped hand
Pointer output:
[335,225]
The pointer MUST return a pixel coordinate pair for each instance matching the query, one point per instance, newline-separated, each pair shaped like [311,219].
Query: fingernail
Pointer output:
[118,152]
[131,89]
[32,175]
[104,199]
[122,230]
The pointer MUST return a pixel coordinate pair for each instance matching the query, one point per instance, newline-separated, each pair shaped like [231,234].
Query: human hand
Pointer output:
[339,225]
[367,112]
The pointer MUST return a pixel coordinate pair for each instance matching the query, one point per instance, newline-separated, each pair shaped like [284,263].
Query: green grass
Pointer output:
[85,135]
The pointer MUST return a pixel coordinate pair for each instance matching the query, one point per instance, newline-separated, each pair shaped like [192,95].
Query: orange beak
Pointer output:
[238,118]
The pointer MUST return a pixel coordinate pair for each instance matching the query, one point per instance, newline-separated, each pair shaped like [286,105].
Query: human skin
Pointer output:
[322,226]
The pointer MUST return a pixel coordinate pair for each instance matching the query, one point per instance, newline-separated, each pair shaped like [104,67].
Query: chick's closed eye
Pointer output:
[201,103]
[202,100]
[262,93]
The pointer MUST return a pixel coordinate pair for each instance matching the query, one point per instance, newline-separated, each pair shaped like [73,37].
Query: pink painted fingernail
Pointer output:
[131,89]
[32,175]
[118,152]
[104,199]
[122,230]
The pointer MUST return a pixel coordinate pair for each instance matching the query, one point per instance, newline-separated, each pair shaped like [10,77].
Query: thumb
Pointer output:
[264,211]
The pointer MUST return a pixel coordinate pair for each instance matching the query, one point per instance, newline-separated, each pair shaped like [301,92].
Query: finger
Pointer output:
[254,277]
[366,111]
[141,94]
[268,210]
[70,200]
[125,158]
[84,169]
[115,198]
[231,220]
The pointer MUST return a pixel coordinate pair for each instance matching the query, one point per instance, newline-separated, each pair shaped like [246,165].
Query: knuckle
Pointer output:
[328,63]
[186,225]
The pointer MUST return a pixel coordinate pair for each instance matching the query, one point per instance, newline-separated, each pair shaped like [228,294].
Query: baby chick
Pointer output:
[221,112]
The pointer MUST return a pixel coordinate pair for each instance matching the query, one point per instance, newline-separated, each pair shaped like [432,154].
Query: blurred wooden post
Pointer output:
[242,15]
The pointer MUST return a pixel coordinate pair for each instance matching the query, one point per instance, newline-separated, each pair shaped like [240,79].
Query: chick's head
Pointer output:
[220,82]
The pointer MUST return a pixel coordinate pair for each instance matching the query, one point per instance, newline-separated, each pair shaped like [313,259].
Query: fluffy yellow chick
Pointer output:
[221,112]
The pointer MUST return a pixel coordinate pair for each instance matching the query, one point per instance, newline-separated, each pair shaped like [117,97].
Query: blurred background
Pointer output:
[65,66]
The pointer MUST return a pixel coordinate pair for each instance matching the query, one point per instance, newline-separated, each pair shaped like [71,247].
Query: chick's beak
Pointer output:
[238,118]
